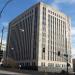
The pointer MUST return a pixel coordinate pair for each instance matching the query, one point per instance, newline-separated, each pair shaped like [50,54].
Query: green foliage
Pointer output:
[9,63]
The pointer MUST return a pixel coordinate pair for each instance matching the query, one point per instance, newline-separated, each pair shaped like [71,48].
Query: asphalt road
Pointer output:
[10,73]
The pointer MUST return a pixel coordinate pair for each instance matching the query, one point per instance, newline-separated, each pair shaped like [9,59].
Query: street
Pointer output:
[2,72]
[10,73]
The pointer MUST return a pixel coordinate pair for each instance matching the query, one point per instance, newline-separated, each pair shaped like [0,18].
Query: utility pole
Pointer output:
[1,37]
[1,51]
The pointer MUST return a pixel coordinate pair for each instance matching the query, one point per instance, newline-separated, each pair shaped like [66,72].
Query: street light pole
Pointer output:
[66,54]
[67,65]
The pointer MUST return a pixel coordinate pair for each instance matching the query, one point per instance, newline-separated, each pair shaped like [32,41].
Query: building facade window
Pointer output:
[35,33]
[43,64]
[43,33]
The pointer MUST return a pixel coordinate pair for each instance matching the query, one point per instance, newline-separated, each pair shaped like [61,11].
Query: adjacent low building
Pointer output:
[73,60]
[37,36]
[2,55]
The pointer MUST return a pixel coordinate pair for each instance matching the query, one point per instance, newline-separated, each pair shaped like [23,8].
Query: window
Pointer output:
[44,28]
[43,64]
[44,34]
[34,53]
[43,53]
[43,45]
[49,55]
[44,40]
[50,64]
[44,50]
[44,15]
[49,11]
[55,14]
[57,65]
[44,23]
[33,64]
[62,65]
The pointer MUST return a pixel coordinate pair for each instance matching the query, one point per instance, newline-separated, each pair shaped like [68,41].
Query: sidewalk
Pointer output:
[30,72]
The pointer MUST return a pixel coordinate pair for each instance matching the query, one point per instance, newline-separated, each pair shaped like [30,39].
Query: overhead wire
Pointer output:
[5,6]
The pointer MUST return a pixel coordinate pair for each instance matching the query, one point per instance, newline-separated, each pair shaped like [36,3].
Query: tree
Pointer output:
[9,62]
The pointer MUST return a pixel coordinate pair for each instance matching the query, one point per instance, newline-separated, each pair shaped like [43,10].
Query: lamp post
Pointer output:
[66,55]
[67,64]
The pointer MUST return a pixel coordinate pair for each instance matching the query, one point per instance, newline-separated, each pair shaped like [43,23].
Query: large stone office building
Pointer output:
[37,36]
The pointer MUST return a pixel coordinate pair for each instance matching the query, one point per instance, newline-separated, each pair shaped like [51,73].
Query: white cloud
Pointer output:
[73,35]
[41,0]
[4,23]
[56,3]
[3,47]
[3,41]
[64,1]
[73,52]
[73,41]
[73,31]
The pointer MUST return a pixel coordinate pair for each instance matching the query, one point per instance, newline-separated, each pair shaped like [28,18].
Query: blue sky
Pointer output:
[18,6]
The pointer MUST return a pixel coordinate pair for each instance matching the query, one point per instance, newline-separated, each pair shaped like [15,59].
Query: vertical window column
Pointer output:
[43,33]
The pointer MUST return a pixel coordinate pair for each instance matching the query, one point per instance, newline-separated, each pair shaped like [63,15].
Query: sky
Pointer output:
[16,7]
